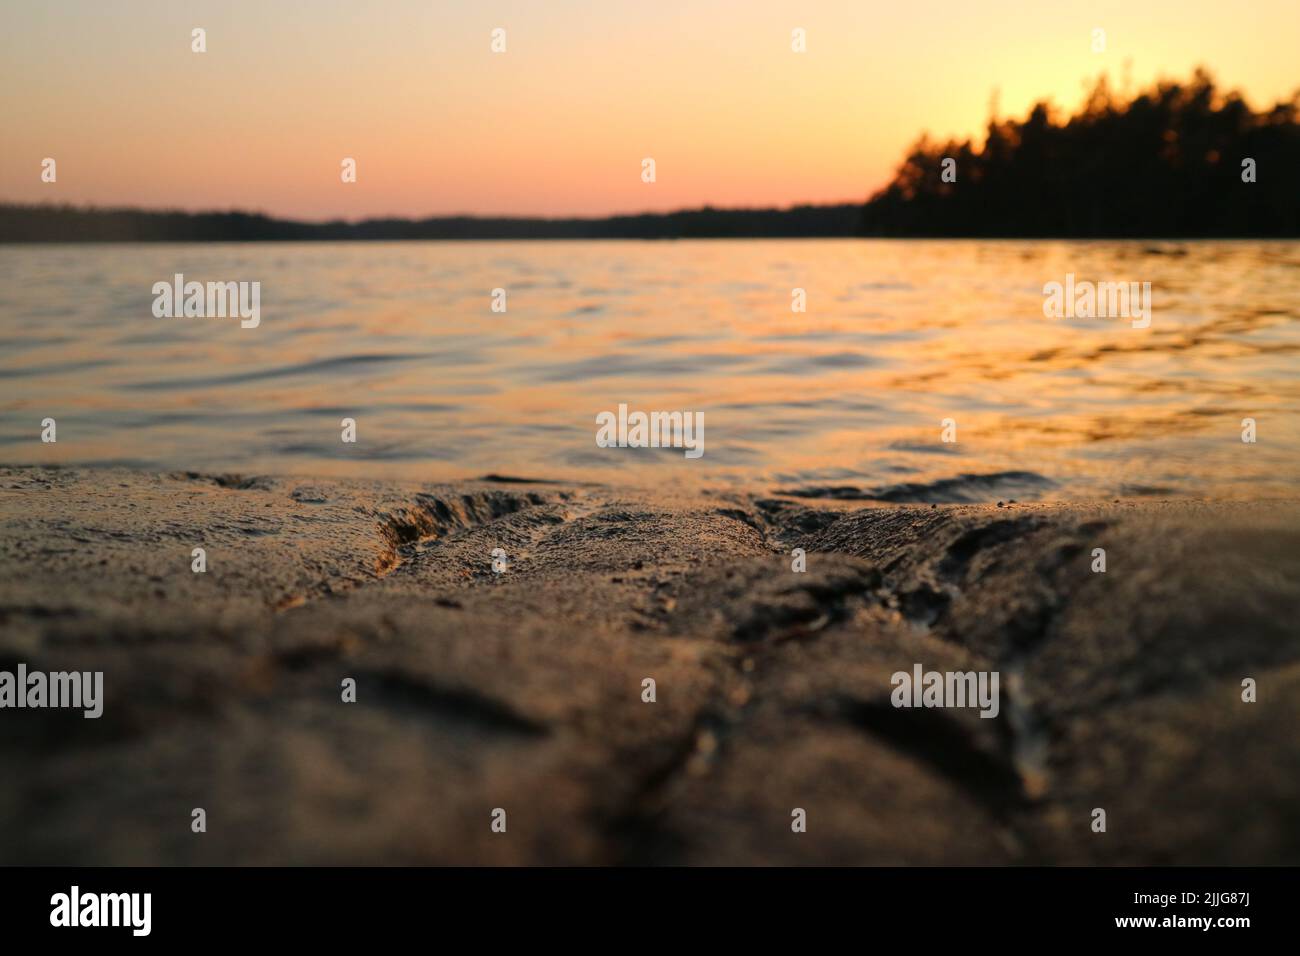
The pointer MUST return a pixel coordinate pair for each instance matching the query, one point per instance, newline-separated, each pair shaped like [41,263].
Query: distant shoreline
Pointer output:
[58,224]
[63,224]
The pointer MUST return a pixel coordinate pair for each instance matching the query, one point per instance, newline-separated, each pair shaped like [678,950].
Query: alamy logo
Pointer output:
[213,300]
[651,430]
[1098,300]
[946,689]
[103,909]
[59,689]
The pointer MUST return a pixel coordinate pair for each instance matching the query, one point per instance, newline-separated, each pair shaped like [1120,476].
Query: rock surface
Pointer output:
[522,690]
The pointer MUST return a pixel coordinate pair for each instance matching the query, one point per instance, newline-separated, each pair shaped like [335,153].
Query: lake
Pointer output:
[848,398]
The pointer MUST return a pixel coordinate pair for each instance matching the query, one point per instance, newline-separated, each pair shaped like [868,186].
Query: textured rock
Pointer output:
[522,690]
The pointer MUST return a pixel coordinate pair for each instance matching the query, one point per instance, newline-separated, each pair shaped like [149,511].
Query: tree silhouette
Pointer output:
[1166,163]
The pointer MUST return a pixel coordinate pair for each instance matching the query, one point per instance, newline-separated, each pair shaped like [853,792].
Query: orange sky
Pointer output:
[559,123]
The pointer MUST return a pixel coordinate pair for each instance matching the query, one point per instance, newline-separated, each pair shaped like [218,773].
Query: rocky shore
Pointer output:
[523,687]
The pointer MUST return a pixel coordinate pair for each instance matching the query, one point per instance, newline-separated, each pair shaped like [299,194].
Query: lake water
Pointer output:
[849,395]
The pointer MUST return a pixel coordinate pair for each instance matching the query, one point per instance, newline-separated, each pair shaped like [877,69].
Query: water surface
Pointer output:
[846,398]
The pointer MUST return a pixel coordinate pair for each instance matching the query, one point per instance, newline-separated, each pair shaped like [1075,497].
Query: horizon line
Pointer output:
[512,217]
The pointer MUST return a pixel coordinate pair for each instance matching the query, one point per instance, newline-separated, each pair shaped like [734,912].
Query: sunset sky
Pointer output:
[558,124]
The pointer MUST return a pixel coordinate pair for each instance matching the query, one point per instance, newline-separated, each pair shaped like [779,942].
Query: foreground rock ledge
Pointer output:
[522,690]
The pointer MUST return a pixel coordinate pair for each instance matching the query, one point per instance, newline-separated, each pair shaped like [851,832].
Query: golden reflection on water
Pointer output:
[897,336]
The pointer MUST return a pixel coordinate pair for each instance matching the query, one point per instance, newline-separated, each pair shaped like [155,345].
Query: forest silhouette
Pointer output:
[1166,163]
